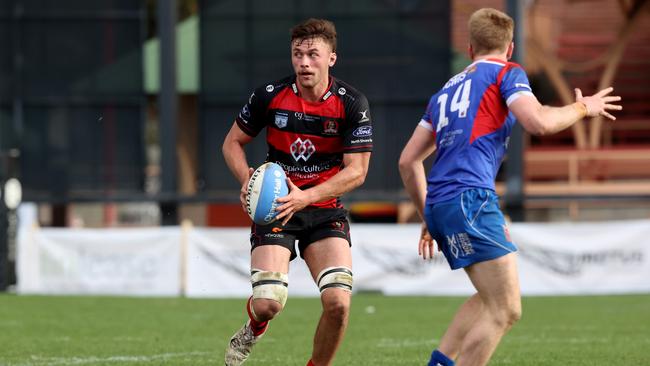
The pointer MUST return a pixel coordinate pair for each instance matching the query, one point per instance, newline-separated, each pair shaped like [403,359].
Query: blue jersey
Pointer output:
[471,122]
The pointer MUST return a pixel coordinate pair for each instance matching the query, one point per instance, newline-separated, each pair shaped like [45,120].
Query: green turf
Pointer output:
[39,330]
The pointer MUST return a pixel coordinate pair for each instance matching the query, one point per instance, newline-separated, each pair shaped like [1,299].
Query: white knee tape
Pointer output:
[270,285]
[335,277]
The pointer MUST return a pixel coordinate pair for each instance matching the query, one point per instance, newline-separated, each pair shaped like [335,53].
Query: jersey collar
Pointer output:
[488,60]
[328,92]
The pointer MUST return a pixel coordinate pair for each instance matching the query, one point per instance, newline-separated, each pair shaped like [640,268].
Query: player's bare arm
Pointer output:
[420,146]
[353,174]
[233,152]
[538,119]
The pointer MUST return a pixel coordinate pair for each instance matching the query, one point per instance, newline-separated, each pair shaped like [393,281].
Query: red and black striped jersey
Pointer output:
[308,139]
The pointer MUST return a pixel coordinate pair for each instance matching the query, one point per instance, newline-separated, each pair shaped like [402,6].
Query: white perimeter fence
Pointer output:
[554,259]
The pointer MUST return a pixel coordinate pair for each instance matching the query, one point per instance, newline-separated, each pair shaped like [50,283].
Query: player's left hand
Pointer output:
[296,200]
[600,103]
[425,247]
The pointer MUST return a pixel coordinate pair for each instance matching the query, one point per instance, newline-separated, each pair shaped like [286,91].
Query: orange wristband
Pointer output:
[581,108]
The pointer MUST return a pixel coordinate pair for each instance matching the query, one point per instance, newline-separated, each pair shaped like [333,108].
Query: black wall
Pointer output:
[395,52]
[71,97]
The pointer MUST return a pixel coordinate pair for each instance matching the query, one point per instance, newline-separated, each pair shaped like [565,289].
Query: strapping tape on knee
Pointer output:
[335,277]
[270,285]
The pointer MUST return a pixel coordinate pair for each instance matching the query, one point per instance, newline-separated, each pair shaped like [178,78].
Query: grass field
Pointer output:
[39,331]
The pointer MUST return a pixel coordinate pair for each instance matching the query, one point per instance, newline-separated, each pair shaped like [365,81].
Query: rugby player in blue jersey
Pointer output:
[468,123]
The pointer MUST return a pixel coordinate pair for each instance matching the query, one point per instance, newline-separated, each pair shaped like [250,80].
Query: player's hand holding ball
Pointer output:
[295,201]
[243,192]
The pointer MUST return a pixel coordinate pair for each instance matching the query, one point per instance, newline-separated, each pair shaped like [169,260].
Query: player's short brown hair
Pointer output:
[490,30]
[315,28]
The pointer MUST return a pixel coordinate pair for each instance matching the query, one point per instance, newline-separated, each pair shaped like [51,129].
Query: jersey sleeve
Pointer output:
[251,117]
[515,84]
[357,136]
[427,119]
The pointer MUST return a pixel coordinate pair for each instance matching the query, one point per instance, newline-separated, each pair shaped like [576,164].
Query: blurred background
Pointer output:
[113,112]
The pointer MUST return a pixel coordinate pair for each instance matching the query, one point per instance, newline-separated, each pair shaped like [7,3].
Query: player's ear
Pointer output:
[511,49]
[470,51]
[332,59]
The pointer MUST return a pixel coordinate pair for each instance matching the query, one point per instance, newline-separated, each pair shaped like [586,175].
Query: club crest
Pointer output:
[281,120]
[330,127]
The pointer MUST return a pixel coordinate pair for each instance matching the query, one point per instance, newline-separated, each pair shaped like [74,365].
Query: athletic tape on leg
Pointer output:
[270,285]
[335,277]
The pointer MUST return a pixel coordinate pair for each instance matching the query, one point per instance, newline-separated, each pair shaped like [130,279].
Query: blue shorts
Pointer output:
[470,228]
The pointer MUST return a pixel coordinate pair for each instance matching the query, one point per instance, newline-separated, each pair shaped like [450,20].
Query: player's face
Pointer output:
[311,59]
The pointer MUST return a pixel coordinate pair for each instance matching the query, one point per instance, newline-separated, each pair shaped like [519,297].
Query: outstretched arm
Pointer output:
[353,174]
[539,119]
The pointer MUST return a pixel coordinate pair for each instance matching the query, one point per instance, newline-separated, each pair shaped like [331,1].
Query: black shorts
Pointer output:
[306,226]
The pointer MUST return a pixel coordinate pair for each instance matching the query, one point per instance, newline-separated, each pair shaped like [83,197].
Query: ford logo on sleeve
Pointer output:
[362,131]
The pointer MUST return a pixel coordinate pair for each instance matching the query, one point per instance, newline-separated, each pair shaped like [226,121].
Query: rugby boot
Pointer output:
[240,345]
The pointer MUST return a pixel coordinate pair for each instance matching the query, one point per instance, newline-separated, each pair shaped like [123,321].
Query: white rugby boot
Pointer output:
[240,345]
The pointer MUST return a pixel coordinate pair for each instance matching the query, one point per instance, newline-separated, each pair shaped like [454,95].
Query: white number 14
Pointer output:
[459,103]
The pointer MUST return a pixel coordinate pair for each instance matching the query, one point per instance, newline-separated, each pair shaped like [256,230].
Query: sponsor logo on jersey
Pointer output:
[449,137]
[299,115]
[281,120]
[364,116]
[305,169]
[302,149]
[362,131]
[342,91]
[327,95]
[295,88]
[270,88]
[520,85]
[330,127]
[361,141]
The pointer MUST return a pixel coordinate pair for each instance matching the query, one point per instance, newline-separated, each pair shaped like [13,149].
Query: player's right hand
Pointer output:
[425,247]
[599,103]
[244,190]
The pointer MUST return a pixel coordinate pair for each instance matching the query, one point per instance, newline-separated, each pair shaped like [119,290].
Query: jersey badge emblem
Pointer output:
[281,120]
[330,127]
[302,149]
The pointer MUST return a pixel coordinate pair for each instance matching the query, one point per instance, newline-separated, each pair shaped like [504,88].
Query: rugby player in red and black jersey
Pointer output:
[319,129]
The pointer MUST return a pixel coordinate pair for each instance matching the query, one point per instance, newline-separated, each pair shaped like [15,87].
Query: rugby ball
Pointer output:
[268,183]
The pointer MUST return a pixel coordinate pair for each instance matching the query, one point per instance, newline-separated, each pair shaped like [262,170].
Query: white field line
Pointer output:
[38,360]
[401,343]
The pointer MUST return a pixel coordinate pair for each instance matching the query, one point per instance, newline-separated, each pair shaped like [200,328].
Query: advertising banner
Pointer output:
[553,259]
[99,261]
